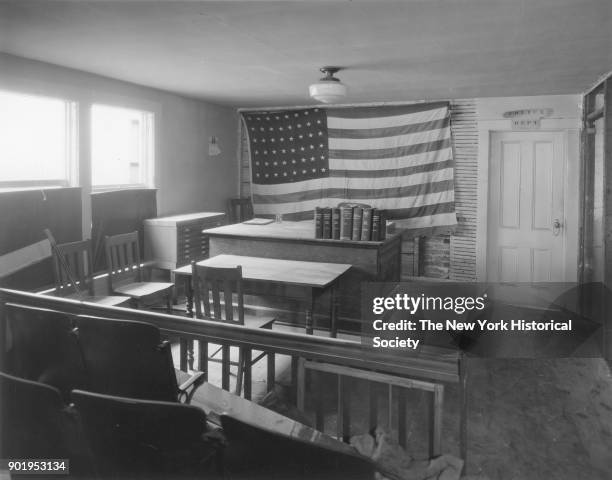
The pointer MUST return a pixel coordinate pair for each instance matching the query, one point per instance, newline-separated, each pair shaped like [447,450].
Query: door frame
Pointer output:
[570,131]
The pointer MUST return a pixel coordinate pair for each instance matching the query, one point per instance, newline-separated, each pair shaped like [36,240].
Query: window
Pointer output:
[121,148]
[37,141]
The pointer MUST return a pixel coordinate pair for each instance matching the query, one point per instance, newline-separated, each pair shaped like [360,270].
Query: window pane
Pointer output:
[34,142]
[121,146]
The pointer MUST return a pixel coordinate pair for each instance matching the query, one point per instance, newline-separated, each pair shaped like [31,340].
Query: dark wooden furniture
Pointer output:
[371,261]
[240,209]
[116,212]
[77,257]
[129,359]
[216,402]
[254,452]
[36,424]
[171,242]
[221,284]
[134,438]
[116,357]
[445,365]
[316,277]
[125,272]
[42,348]
[395,386]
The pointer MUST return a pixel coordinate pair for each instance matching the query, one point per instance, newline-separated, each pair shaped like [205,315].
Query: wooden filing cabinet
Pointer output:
[171,242]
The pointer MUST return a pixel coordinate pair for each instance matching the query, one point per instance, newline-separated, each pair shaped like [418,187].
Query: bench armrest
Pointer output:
[188,387]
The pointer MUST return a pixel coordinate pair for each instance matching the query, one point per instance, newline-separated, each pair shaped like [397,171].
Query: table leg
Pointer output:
[189,309]
[175,289]
[189,295]
[310,313]
[332,307]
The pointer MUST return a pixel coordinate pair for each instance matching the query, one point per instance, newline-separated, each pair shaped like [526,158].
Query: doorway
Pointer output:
[526,214]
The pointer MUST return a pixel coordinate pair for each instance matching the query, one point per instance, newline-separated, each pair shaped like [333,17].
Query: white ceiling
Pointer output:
[254,53]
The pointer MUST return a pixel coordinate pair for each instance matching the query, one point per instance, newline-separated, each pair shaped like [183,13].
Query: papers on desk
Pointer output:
[258,221]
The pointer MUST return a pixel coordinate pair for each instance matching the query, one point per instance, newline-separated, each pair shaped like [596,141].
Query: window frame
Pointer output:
[148,154]
[71,139]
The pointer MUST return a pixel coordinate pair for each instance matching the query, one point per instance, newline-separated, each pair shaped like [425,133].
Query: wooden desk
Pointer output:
[371,261]
[315,276]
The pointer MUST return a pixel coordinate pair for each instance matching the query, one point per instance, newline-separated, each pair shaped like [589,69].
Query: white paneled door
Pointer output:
[526,234]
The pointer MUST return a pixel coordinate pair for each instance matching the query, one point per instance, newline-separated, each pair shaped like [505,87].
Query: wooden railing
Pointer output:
[433,365]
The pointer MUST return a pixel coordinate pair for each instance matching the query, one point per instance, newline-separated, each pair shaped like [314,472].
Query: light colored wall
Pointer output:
[566,117]
[187,179]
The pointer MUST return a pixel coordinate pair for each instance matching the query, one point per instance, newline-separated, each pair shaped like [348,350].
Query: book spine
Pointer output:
[346,223]
[327,223]
[336,223]
[366,224]
[382,232]
[318,222]
[357,219]
[375,224]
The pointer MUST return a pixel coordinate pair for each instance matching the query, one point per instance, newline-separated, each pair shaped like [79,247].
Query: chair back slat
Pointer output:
[220,285]
[78,258]
[214,287]
[240,209]
[229,302]
[123,256]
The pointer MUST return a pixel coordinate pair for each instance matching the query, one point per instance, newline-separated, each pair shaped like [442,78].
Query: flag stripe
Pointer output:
[353,193]
[390,152]
[392,162]
[383,111]
[393,172]
[422,210]
[394,142]
[388,131]
[353,183]
[437,198]
[335,122]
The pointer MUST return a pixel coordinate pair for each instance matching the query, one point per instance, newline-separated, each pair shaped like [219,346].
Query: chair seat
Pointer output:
[143,289]
[108,300]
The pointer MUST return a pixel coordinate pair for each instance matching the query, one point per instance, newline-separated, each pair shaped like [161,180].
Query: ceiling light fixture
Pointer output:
[328,89]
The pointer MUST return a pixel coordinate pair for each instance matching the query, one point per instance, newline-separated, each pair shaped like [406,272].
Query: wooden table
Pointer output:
[317,277]
[371,261]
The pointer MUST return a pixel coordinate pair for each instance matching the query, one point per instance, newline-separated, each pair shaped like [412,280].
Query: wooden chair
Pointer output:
[125,272]
[216,282]
[41,346]
[35,423]
[129,359]
[135,438]
[77,257]
[239,209]
[256,453]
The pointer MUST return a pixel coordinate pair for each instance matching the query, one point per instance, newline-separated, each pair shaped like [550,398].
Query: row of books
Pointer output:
[350,223]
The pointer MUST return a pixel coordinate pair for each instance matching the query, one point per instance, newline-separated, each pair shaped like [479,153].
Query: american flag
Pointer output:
[396,158]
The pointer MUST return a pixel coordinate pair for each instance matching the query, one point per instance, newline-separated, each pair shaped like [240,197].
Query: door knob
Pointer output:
[556,227]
